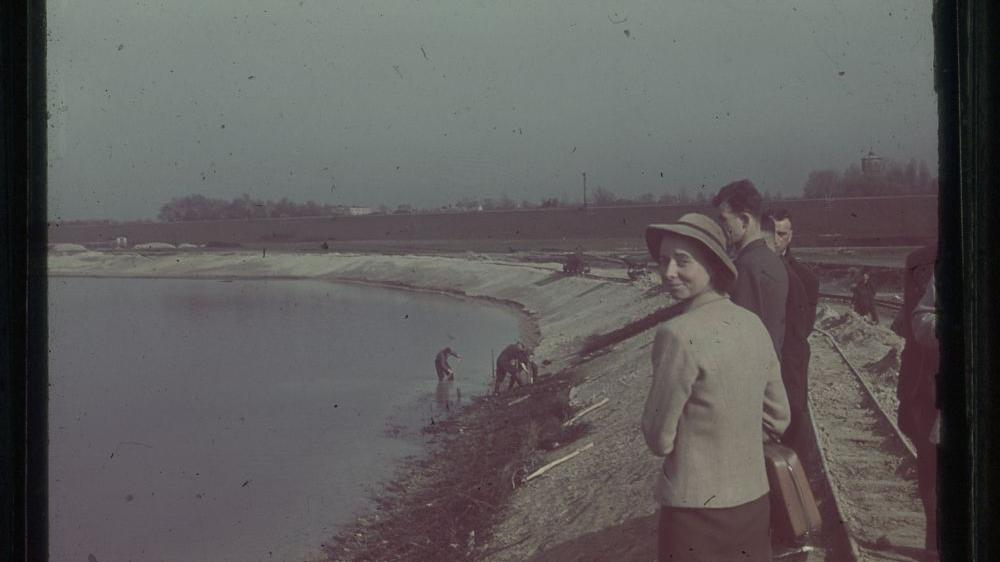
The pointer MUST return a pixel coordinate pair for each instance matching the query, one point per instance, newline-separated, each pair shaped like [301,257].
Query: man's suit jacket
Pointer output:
[799,318]
[716,387]
[761,287]
[809,284]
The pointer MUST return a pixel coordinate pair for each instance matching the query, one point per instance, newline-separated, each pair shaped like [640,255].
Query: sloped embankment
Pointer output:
[467,499]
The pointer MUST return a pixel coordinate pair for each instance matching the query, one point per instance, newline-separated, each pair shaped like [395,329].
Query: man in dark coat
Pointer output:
[800,314]
[762,279]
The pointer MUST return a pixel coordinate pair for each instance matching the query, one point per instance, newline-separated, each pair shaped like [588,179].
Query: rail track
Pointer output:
[884,303]
[869,464]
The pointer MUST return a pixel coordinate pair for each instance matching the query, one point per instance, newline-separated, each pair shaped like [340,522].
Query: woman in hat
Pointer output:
[716,390]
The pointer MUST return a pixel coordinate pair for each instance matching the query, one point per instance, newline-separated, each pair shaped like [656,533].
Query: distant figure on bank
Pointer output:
[864,298]
[509,362]
[716,389]
[762,280]
[800,315]
[441,365]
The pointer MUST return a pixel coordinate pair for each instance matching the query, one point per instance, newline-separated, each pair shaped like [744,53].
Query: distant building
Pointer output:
[357,211]
[871,165]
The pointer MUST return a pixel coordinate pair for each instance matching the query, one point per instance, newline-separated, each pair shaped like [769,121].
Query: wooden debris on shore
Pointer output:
[586,411]
[517,400]
[557,462]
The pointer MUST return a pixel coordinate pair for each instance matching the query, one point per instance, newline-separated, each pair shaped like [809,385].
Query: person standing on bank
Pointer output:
[863,298]
[716,389]
[762,281]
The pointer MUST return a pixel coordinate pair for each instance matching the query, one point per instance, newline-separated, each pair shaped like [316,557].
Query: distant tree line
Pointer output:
[600,197]
[198,207]
[891,178]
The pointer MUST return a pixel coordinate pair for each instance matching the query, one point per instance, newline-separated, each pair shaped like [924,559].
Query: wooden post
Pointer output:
[557,462]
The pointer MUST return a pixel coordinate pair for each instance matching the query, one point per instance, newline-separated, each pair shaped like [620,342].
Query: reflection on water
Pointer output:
[205,421]
[448,397]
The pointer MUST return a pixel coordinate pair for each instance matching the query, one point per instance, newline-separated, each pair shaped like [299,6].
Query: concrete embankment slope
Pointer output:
[597,506]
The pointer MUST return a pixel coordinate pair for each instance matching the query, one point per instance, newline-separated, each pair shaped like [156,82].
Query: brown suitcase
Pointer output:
[794,514]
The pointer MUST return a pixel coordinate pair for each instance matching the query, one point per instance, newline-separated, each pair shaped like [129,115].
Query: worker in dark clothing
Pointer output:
[762,279]
[864,298]
[441,365]
[509,362]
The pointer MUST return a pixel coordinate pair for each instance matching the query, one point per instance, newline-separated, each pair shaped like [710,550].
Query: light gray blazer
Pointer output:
[716,387]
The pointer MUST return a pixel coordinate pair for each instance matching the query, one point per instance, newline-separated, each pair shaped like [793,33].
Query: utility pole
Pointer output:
[584,190]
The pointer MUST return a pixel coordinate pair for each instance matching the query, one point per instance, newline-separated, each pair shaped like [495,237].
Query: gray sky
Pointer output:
[425,101]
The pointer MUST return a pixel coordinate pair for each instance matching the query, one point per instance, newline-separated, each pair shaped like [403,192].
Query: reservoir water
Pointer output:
[203,420]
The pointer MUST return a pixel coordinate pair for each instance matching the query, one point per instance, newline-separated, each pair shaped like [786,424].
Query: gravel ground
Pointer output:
[872,473]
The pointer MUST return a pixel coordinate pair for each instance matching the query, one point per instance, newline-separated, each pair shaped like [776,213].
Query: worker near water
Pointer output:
[509,361]
[716,391]
[761,284]
[441,365]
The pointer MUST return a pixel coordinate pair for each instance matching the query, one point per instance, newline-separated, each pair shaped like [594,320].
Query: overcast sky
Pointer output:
[425,101]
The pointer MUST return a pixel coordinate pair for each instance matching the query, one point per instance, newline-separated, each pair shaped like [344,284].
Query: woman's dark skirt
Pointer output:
[716,535]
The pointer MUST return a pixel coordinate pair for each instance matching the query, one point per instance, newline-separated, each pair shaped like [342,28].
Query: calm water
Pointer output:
[210,421]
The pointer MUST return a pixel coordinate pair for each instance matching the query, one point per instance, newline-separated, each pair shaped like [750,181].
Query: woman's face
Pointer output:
[681,268]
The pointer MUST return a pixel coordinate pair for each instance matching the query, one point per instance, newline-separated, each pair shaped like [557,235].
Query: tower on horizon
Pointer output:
[871,165]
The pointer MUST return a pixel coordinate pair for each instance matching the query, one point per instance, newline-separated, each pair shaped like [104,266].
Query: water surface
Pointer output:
[203,420]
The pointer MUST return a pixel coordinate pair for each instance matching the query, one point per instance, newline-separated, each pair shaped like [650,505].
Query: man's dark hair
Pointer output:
[742,197]
[778,214]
